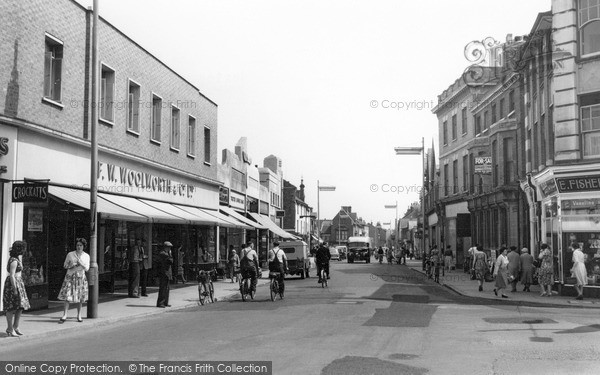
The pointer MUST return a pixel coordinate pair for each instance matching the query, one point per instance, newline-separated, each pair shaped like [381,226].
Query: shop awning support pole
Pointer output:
[92,305]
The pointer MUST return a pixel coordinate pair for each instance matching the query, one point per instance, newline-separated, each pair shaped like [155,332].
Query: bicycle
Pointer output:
[206,289]
[274,286]
[324,282]
[246,287]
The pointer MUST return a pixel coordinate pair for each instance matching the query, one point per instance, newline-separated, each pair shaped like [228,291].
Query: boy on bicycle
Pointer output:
[249,265]
[322,257]
[278,263]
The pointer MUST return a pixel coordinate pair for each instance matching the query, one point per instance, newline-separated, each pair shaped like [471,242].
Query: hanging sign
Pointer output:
[30,192]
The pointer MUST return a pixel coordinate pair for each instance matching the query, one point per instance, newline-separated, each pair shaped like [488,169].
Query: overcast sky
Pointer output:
[308,81]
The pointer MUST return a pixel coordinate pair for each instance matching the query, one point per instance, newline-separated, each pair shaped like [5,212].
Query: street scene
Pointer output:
[319,187]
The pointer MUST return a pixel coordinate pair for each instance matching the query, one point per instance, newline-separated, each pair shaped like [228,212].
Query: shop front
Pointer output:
[570,213]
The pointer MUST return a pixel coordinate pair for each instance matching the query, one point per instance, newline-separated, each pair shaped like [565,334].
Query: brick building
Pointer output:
[297,219]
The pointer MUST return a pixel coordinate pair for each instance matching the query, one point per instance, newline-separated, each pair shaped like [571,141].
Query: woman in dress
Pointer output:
[480,265]
[578,270]
[501,273]
[75,286]
[546,271]
[15,297]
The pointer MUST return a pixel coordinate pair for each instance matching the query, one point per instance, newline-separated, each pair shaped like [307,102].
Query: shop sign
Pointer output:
[483,165]
[237,200]
[548,187]
[30,192]
[223,196]
[251,204]
[35,220]
[280,213]
[578,184]
[3,152]
[591,206]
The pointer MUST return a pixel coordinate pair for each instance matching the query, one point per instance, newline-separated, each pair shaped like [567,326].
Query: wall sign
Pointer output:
[578,184]
[223,196]
[237,200]
[483,165]
[30,192]
[548,187]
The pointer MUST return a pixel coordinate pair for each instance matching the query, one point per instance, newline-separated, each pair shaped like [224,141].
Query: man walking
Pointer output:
[165,260]
[144,267]
[134,269]
[448,256]
[514,267]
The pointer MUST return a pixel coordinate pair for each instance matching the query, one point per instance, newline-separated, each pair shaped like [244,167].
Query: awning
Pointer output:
[264,220]
[239,217]
[144,208]
[109,210]
[193,217]
[214,217]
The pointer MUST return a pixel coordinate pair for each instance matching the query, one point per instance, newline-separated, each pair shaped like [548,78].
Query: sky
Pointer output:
[330,87]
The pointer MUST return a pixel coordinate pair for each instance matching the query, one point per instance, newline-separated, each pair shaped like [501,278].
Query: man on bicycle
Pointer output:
[322,258]
[278,263]
[249,265]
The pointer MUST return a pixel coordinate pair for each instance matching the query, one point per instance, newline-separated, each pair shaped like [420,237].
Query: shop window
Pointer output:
[53,56]
[589,26]
[133,107]
[107,94]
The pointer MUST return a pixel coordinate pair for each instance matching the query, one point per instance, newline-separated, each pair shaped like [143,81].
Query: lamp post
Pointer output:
[418,151]
[396,232]
[319,190]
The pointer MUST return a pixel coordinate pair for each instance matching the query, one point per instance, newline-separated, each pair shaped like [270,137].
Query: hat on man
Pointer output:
[167,244]
[524,250]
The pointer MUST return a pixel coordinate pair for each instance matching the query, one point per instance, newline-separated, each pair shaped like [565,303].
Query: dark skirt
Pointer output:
[14,302]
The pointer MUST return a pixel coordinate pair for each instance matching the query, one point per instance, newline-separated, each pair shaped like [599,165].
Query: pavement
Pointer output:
[461,283]
[115,308]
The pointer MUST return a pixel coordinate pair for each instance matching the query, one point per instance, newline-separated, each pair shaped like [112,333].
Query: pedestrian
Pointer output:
[233,263]
[526,269]
[165,274]
[134,269]
[403,252]
[480,266]
[15,296]
[514,268]
[75,286]
[501,273]
[546,271]
[578,270]
[469,259]
[436,262]
[448,257]
[180,268]
[144,268]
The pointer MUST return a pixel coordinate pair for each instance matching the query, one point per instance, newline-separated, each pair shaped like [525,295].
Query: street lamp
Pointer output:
[417,151]
[395,222]
[319,190]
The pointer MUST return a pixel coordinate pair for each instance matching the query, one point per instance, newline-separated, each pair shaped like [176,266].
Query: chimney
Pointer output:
[301,192]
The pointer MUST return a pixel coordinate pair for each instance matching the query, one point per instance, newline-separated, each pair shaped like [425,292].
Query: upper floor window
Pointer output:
[207,145]
[501,109]
[511,101]
[107,94]
[53,56]
[495,162]
[478,124]
[454,126]
[455,176]
[494,113]
[465,166]
[589,26]
[486,119]
[155,121]
[509,160]
[133,107]
[590,129]
[445,132]
[463,118]
[175,128]
[191,144]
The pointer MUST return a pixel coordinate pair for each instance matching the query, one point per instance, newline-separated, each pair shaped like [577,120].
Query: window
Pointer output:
[445,179]
[133,107]
[494,113]
[495,162]
[463,118]
[501,109]
[472,175]
[486,119]
[445,132]
[207,145]
[191,144]
[465,165]
[107,94]
[455,176]
[478,124]
[156,118]
[543,156]
[589,26]
[175,128]
[53,56]
[454,125]
[509,160]
[535,147]
[590,129]
[511,101]
[529,159]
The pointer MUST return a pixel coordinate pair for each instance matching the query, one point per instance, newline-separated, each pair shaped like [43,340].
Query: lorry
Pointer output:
[297,256]
[359,248]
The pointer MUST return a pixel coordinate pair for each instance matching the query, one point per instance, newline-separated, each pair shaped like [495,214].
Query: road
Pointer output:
[372,319]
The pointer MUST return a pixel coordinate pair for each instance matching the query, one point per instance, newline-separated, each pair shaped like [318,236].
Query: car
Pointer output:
[343,251]
[335,255]
[298,257]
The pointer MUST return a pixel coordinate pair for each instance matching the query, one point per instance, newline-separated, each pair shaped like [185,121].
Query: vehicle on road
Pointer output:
[206,290]
[342,250]
[297,256]
[335,255]
[274,286]
[359,248]
[246,288]
[324,277]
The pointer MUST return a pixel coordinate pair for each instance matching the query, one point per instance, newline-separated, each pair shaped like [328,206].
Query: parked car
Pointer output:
[297,256]
[343,251]
[335,255]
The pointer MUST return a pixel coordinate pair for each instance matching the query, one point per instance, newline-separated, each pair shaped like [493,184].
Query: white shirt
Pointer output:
[280,254]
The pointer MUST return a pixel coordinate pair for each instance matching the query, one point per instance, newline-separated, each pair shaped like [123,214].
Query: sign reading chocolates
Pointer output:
[29,192]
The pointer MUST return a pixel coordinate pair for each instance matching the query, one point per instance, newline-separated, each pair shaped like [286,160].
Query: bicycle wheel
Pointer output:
[273,288]
[243,290]
[323,279]
[201,293]
[211,292]
[282,288]
[252,292]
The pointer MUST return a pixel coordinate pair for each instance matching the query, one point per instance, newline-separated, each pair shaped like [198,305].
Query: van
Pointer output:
[342,250]
[297,255]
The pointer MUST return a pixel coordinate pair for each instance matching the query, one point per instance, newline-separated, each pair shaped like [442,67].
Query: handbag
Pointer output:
[473,275]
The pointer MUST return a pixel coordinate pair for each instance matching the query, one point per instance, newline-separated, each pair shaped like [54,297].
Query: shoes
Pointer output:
[63,319]
[504,296]
[525,289]
[480,288]
[319,281]
[144,295]
[579,298]
[496,292]
[168,305]
[10,333]
[18,332]
[79,319]
[543,294]
[134,296]
[161,306]
[328,277]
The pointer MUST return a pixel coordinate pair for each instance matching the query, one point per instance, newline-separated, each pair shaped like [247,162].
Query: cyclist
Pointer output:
[278,263]
[322,258]
[249,264]
[380,254]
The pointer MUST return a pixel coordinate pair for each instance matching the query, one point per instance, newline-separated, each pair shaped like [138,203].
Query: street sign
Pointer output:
[280,213]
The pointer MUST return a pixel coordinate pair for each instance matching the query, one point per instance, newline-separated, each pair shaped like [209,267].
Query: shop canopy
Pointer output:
[237,216]
[269,224]
[215,216]
[144,207]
